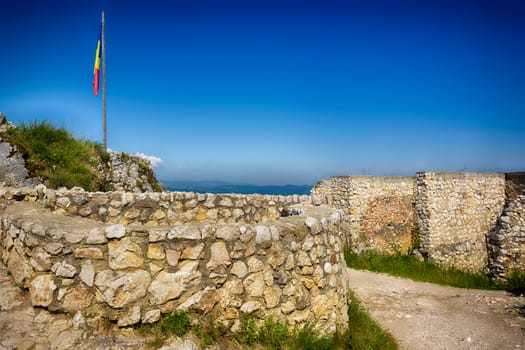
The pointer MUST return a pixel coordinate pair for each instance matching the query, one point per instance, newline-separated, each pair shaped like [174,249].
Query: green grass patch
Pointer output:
[57,157]
[424,271]
[177,323]
[363,333]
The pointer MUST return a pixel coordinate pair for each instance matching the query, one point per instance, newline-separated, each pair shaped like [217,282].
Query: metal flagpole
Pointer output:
[104,84]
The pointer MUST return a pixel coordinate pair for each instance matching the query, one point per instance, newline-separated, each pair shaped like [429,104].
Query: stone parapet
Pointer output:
[170,208]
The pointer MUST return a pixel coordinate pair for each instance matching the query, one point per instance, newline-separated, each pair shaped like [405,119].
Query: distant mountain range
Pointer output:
[227,187]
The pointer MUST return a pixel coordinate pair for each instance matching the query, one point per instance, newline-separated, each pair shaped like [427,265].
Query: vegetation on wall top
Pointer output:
[58,158]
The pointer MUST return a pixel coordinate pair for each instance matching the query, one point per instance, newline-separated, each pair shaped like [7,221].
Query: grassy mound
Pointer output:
[58,158]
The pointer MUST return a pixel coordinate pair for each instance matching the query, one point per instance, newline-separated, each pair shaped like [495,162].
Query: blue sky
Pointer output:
[276,92]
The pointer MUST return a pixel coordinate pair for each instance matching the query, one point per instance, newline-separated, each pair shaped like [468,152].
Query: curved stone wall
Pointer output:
[291,268]
[170,208]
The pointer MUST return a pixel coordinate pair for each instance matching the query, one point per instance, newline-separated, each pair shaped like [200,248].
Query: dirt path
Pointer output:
[427,316]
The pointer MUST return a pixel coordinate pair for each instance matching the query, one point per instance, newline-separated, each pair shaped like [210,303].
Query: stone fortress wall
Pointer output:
[454,219]
[131,257]
[377,210]
[455,213]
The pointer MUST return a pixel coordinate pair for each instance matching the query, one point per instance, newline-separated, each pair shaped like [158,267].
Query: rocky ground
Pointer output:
[427,316]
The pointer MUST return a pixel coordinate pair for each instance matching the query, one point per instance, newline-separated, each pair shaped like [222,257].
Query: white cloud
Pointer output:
[154,161]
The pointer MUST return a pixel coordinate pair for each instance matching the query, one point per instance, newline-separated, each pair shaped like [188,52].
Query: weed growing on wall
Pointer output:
[177,323]
[362,333]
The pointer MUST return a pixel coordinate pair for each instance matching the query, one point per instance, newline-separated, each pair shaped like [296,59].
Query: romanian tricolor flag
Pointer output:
[96,69]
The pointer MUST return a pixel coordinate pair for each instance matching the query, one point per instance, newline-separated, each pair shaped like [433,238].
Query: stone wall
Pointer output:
[507,240]
[448,217]
[170,208]
[455,212]
[377,211]
[130,173]
[291,268]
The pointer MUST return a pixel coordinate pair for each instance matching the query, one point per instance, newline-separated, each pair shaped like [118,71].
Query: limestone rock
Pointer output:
[301,297]
[53,248]
[172,257]
[232,287]
[255,285]
[40,260]
[263,236]
[287,307]
[239,269]
[151,316]
[167,286]
[272,296]
[255,265]
[96,236]
[157,235]
[63,269]
[219,256]
[79,322]
[184,232]
[228,233]
[156,251]
[77,298]
[89,253]
[322,306]
[192,252]
[119,289]
[41,289]
[250,306]
[302,259]
[115,231]
[314,225]
[131,317]
[87,273]
[124,253]
[203,300]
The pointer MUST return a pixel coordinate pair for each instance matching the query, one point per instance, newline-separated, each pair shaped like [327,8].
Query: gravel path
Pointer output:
[427,316]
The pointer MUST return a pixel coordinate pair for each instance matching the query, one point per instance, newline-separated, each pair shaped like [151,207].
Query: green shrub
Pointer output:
[307,338]
[274,335]
[247,333]
[516,280]
[58,158]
